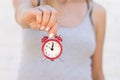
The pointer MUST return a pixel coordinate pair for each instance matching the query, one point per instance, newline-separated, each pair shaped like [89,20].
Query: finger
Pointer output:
[38,13]
[52,19]
[39,20]
[39,17]
[46,15]
[53,31]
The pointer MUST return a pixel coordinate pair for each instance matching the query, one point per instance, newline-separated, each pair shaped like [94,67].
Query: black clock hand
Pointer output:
[52,46]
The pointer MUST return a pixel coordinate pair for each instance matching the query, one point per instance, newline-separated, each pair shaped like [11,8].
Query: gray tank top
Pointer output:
[78,47]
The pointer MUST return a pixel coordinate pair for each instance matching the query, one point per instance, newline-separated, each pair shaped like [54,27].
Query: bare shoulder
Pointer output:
[99,7]
[99,15]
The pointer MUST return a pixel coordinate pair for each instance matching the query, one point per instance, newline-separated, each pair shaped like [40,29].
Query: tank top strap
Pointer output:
[90,9]
[91,6]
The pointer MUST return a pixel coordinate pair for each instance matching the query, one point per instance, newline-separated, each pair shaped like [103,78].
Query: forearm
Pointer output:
[21,6]
[98,75]
[98,78]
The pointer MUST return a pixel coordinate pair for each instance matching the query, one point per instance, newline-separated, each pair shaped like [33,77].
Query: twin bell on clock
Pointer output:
[51,47]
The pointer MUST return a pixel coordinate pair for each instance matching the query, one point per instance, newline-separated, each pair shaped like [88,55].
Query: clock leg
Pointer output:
[61,59]
[43,60]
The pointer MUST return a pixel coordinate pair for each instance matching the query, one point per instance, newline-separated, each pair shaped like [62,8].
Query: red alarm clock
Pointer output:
[51,47]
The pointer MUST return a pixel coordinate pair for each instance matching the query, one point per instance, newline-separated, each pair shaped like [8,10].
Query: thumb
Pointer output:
[53,31]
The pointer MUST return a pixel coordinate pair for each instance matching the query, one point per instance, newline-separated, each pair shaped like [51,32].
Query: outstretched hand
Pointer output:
[43,18]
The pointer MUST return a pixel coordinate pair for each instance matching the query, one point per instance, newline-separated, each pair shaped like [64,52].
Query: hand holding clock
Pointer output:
[42,18]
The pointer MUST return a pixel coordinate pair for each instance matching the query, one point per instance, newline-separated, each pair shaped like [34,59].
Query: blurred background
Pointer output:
[10,41]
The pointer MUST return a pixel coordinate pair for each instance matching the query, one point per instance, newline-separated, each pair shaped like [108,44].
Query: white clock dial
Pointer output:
[52,49]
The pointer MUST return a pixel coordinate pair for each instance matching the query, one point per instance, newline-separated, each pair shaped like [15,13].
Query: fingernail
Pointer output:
[51,35]
[42,27]
[47,29]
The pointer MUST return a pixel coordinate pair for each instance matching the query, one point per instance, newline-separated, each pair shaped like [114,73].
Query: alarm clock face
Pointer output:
[52,49]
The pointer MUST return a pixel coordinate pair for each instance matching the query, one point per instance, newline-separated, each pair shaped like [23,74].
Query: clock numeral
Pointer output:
[46,52]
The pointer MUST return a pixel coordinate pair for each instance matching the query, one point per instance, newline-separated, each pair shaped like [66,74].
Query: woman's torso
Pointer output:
[78,47]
